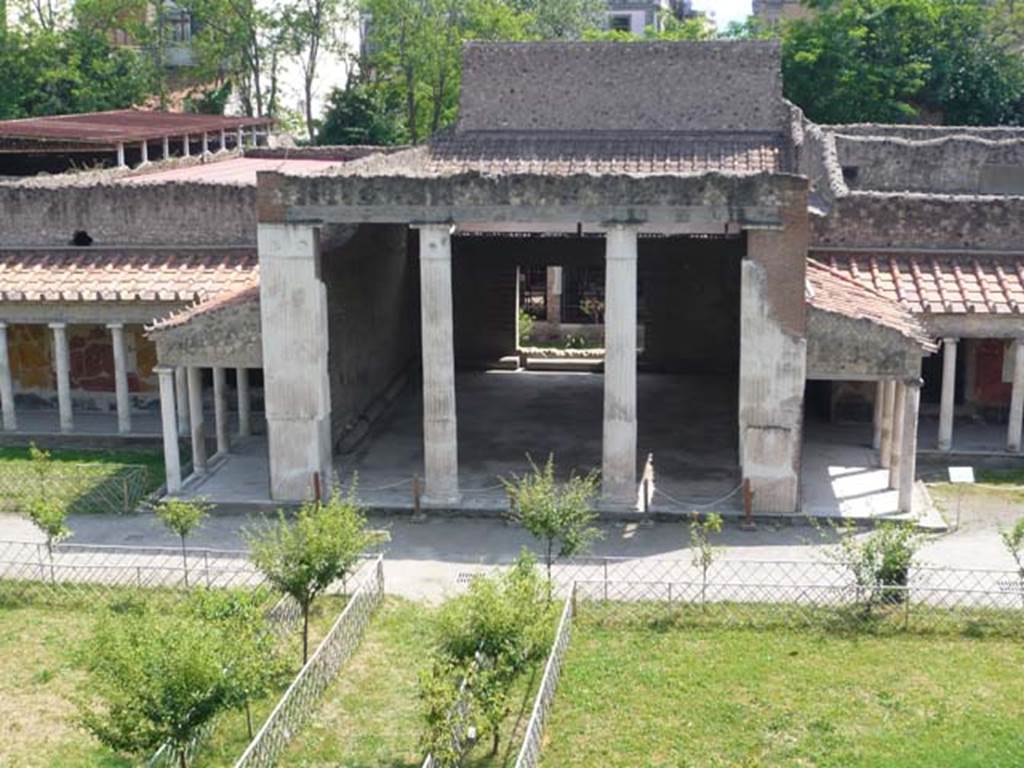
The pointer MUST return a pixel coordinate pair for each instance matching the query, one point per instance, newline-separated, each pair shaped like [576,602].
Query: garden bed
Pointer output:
[654,693]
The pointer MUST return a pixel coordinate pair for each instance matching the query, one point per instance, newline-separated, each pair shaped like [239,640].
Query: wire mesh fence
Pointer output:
[529,753]
[796,594]
[83,488]
[299,702]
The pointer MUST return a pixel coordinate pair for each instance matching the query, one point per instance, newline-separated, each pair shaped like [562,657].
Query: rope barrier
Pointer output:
[705,505]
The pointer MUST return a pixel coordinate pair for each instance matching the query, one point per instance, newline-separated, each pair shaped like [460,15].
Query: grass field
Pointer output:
[88,481]
[39,680]
[370,717]
[637,696]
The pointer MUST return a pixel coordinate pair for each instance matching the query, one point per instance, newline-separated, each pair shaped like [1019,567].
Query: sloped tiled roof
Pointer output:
[560,153]
[124,274]
[833,291]
[230,300]
[939,283]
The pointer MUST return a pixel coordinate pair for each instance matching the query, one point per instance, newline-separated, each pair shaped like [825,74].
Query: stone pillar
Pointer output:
[186,148]
[181,393]
[168,420]
[143,153]
[195,415]
[293,309]
[553,299]
[167,148]
[120,156]
[948,394]
[618,455]
[220,409]
[124,408]
[206,143]
[440,433]
[888,404]
[876,419]
[10,419]
[773,360]
[240,139]
[244,402]
[223,140]
[1013,429]
[62,365]
[908,452]
[898,420]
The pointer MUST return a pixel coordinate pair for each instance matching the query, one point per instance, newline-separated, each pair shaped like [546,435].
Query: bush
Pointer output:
[879,560]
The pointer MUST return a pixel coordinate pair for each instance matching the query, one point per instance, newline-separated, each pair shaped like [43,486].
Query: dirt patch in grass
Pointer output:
[638,696]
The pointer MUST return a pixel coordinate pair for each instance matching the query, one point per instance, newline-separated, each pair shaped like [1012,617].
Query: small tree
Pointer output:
[156,679]
[879,561]
[45,510]
[303,558]
[704,552]
[559,514]
[182,517]
[1013,540]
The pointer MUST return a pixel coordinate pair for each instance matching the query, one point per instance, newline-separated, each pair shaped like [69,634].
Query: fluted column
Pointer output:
[898,421]
[888,405]
[195,415]
[220,409]
[908,453]
[10,419]
[124,411]
[618,461]
[181,394]
[62,366]
[440,431]
[876,419]
[948,394]
[168,420]
[244,402]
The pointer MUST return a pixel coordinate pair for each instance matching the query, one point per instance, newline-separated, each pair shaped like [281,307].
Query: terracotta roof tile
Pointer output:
[939,283]
[830,290]
[232,299]
[128,274]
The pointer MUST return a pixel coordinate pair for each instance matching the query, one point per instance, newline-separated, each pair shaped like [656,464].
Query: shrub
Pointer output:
[879,561]
[525,326]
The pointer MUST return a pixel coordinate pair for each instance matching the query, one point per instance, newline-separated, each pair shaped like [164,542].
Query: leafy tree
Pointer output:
[361,113]
[44,509]
[303,558]
[704,552]
[559,514]
[562,19]
[155,679]
[182,517]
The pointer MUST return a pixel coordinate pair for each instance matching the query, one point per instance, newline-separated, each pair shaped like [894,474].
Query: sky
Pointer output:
[725,11]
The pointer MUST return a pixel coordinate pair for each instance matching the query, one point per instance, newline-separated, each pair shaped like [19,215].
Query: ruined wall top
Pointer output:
[611,86]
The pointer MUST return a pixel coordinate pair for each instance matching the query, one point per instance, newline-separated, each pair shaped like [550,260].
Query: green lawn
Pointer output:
[633,695]
[88,481]
[370,716]
[39,680]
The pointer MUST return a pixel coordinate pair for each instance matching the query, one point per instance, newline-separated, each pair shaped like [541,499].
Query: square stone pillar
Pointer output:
[553,296]
[773,360]
[10,419]
[62,366]
[293,311]
[121,395]
[898,422]
[888,405]
[948,394]
[244,402]
[168,421]
[618,453]
[908,452]
[1013,428]
[220,409]
[196,422]
[440,429]
[181,395]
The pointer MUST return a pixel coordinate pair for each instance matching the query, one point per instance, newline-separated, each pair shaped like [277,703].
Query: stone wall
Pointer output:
[226,335]
[37,214]
[955,164]
[675,86]
[840,347]
[372,317]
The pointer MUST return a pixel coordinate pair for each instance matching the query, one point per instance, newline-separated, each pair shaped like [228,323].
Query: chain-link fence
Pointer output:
[529,753]
[299,702]
[797,593]
[82,488]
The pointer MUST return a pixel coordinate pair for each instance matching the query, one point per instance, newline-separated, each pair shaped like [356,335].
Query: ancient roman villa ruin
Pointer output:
[774,292]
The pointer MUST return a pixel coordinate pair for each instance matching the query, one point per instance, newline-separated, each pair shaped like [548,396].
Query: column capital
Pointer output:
[58,326]
[164,370]
[115,326]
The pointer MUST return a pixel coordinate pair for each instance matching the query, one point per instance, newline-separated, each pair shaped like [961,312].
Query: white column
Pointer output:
[220,409]
[244,402]
[888,405]
[195,415]
[255,137]
[168,420]
[62,365]
[120,156]
[10,419]
[181,394]
[908,452]
[167,148]
[618,461]
[948,394]
[440,432]
[124,411]
[240,142]
[1013,429]
[223,140]
[143,153]
[898,420]
[876,419]
[206,143]
[186,149]
[296,346]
